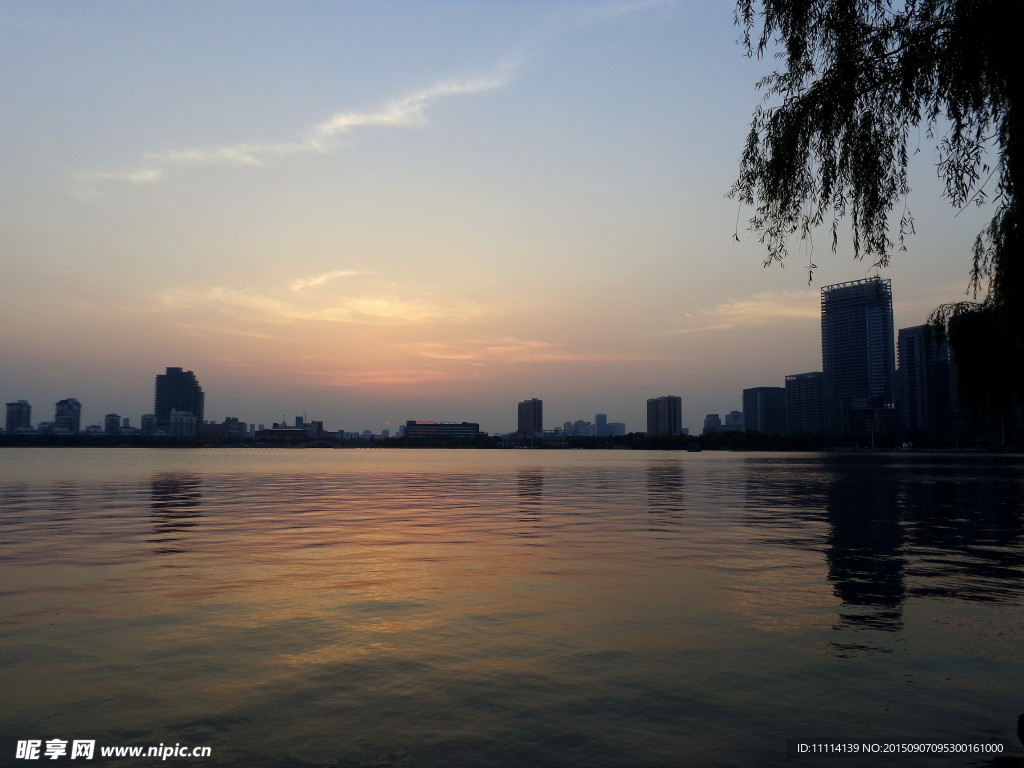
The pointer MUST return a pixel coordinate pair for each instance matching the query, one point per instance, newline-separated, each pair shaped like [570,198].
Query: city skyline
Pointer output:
[321,210]
[847,310]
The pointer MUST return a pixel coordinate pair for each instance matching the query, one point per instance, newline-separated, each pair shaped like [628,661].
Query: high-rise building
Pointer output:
[665,415]
[712,423]
[926,385]
[531,416]
[177,390]
[857,357]
[67,417]
[601,425]
[805,403]
[112,424]
[764,410]
[19,417]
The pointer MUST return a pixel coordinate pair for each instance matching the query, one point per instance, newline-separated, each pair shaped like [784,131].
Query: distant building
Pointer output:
[177,390]
[665,415]
[764,410]
[734,421]
[858,361]
[182,424]
[19,417]
[579,428]
[230,429]
[531,416]
[805,403]
[112,424]
[148,424]
[926,385]
[442,429]
[712,423]
[601,424]
[281,432]
[67,418]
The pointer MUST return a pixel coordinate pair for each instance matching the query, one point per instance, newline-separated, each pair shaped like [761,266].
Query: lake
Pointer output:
[371,607]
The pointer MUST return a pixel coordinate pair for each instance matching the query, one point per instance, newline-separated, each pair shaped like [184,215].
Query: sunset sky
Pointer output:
[372,212]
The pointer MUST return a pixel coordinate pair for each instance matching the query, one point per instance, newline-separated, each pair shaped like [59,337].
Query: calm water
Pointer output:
[509,608]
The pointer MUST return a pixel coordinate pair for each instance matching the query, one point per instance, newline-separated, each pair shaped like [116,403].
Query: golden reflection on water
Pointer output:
[396,607]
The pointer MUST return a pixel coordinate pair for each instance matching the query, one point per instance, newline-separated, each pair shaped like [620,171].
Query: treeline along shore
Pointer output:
[717,441]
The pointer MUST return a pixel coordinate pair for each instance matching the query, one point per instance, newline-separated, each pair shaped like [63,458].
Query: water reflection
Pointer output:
[174,510]
[665,487]
[530,486]
[584,608]
[892,528]
[864,549]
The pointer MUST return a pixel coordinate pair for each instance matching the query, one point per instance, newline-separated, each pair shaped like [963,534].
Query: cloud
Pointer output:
[367,309]
[510,350]
[757,310]
[321,138]
[314,280]
[504,349]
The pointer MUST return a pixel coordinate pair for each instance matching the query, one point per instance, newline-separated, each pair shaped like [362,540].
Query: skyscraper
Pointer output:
[531,416]
[764,410]
[665,415]
[67,417]
[177,390]
[925,380]
[805,403]
[19,416]
[857,356]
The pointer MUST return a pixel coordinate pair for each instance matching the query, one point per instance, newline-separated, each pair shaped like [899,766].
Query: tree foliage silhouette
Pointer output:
[863,80]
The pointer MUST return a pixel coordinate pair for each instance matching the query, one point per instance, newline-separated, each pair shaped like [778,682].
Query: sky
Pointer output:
[366,213]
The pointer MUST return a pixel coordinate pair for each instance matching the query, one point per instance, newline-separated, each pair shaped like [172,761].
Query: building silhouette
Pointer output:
[764,410]
[177,390]
[19,417]
[805,403]
[712,423]
[112,424]
[183,424]
[665,415]
[531,416]
[442,429]
[734,421]
[858,360]
[925,379]
[67,417]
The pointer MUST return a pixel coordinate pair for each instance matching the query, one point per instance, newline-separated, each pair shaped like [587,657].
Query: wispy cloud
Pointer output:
[314,280]
[505,349]
[322,138]
[511,350]
[367,309]
[756,310]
